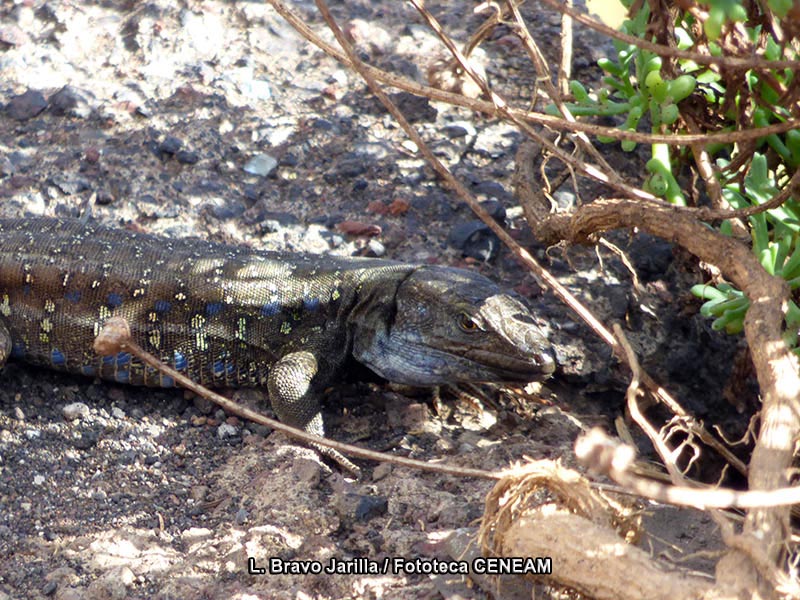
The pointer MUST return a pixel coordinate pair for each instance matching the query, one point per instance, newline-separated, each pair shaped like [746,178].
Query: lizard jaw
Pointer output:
[417,364]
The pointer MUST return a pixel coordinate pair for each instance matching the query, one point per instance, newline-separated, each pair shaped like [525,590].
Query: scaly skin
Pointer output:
[231,316]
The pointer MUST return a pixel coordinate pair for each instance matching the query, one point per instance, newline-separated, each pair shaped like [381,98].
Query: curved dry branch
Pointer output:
[776,366]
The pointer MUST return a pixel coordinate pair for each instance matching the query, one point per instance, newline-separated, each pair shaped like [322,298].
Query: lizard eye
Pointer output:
[467,323]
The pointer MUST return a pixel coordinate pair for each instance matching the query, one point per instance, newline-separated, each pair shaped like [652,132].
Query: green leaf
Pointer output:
[791,268]
[708,292]
[681,87]
[760,233]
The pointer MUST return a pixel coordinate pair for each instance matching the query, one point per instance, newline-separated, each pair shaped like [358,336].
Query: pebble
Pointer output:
[187,157]
[198,492]
[475,240]
[322,124]
[375,248]
[224,210]
[75,410]
[460,129]
[256,89]
[49,588]
[261,164]
[241,516]
[225,431]
[491,189]
[415,108]
[6,166]
[374,150]
[26,106]
[381,471]
[170,146]
[88,439]
[366,34]
[70,184]
[358,507]
[72,102]
[565,198]
[13,35]
[348,168]
[279,135]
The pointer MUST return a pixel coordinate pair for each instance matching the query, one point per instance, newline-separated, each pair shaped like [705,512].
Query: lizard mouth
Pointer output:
[503,367]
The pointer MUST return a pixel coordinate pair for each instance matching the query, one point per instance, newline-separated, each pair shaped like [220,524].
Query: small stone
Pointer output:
[458,129]
[6,166]
[455,131]
[475,239]
[70,184]
[307,472]
[49,588]
[496,210]
[13,35]
[491,189]
[26,106]
[117,412]
[92,155]
[257,89]
[87,440]
[72,102]
[241,516]
[347,168]
[198,493]
[170,146]
[188,157]
[565,199]
[322,124]
[74,411]
[381,471]
[225,431]
[358,507]
[261,164]
[376,248]
[367,35]
[415,108]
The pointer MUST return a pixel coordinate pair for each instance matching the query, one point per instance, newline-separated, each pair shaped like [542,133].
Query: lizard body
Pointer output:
[230,316]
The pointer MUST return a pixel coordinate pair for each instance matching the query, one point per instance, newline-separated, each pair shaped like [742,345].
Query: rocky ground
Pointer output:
[215,119]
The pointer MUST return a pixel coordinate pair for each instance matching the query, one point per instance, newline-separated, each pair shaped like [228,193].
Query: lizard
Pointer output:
[231,316]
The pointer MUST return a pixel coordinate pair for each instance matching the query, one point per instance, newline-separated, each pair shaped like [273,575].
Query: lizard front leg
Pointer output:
[289,385]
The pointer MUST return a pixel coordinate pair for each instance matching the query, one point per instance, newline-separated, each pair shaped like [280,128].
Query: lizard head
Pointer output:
[447,325]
